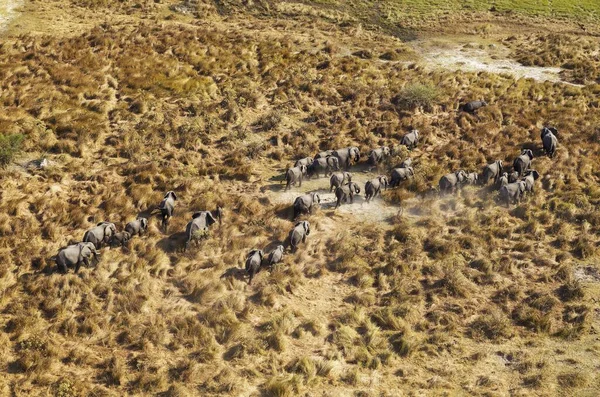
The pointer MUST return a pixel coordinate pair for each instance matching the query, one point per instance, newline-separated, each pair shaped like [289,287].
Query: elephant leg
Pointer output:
[351,199]
[77,266]
[300,180]
[86,262]
[62,267]
[339,200]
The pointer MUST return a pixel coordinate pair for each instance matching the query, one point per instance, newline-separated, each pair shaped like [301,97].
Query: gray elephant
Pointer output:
[253,263]
[324,154]
[338,179]
[512,192]
[513,177]
[449,182]
[75,255]
[198,226]
[100,234]
[323,165]
[305,203]
[345,193]
[410,140]
[139,226]
[472,178]
[167,208]
[298,234]
[530,177]
[473,106]
[306,161]
[294,175]
[523,162]
[406,163]
[401,174]
[503,180]
[373,187]
[549,140]
[346,156]
[378,155]
[492,171]
[275,256]
[120,239]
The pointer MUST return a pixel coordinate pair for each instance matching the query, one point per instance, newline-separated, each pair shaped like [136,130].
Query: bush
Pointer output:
[416,95]
[10,146]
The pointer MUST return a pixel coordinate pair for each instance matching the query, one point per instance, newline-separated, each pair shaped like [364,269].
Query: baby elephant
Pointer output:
[373,187]
[523,162]
[473,106]
[472,178]
[294,175]
[449,182]
[503,180]
[305,203]
[139,226]
[401,174]
[275,256]
[410,140]
[306,161]
[378,155]
[338,179]
[512,192]
[253,263]
[343,193]
[120,239]
[298,234]
[530,177]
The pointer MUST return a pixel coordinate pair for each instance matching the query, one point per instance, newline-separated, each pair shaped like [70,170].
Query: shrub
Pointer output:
[10,146]
[415,96]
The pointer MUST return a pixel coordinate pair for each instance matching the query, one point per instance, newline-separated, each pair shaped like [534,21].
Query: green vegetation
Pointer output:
[10,146]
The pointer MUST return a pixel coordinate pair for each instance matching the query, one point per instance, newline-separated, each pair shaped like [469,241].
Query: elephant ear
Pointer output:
[210,219]
[535,174]
[144,223]
[306,227]
[196,214]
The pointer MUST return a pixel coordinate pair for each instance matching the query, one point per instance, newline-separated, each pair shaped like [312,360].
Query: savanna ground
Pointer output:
[453,295]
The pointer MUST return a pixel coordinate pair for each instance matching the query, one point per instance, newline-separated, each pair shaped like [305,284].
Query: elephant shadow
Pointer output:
[274,187]
[235,272]
[173,243]
[538,151]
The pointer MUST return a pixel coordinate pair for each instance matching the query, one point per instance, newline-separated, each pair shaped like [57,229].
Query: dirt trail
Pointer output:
[8,12]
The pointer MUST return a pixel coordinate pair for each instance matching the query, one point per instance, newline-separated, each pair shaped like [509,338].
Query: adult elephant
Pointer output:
[306,161]
[139,226]
[100,234]
[275,256]
[346,156]
[401,174]
[530,177]
[324,154]
[167,209]
[76,254]
[373,187]
[513,177]
[549,140]
[406,163]
[120,239]
[345,193]
[472,178]
[338,179]
[492,171]
[378,155]
[450,182]
[323,165]
[298,234]
[473,106]
[523,162]
[253,263]
[198,226]
[294,175]
[410,140]
[305,203]
[512,192]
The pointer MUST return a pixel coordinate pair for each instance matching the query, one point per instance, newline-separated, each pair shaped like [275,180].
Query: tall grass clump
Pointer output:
[415,96]
[10,146]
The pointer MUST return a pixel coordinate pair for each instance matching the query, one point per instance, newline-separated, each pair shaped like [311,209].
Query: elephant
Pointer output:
[549,141]
[306,161]
[120,239]
[100,234]
[492,171]
[346,156]
[343,193]
[298,234]
[503,180]
[373,187]
[294,175]
[401,174]
[450,182]
[275,256]
[513,177]
[546,130]
[472,178]
[324,165]
[167,208]
[406,163]
[324,154]
[338,179]
[253,263]
[530,177]
[75,255]
[473,106]
[139,226]
[410,140]
[198,226]
[523,162]
[512,192]
[305,203]
[378,155]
